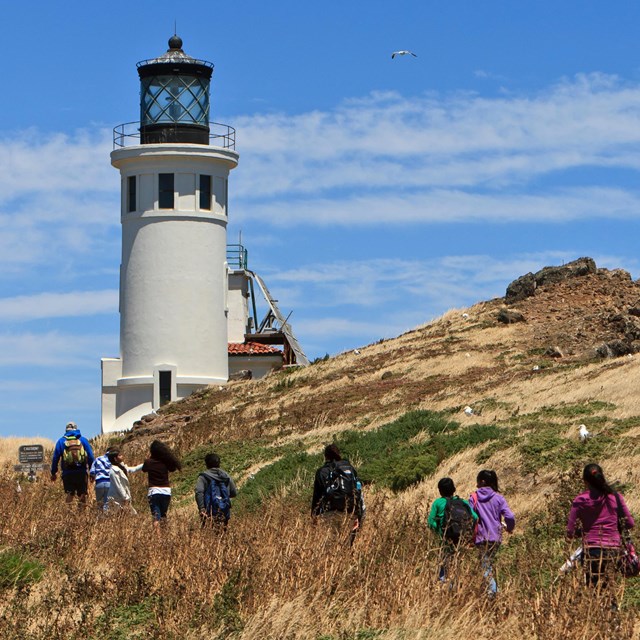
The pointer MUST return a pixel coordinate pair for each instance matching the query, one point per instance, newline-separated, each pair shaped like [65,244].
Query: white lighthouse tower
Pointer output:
[174,166]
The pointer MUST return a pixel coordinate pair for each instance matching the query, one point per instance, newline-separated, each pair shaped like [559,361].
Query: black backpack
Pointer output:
[342,489]
[458,521]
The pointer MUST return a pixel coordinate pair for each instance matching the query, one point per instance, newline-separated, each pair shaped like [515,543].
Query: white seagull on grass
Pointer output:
[584,433]
[403,53]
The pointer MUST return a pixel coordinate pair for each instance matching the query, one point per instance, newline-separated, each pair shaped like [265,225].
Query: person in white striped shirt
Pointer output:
[99,473]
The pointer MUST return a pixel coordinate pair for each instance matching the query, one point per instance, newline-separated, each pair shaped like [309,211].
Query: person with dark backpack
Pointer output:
[453,520]
[75,456]
[214,490]
[337,492]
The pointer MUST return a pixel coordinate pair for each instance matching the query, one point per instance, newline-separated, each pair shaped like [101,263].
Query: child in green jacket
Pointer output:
[453,520]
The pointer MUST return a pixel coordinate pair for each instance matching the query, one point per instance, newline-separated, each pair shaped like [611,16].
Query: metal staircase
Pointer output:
[293,353]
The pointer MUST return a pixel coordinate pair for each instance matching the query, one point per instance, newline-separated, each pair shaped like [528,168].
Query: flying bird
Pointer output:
[403,53]
[584,433]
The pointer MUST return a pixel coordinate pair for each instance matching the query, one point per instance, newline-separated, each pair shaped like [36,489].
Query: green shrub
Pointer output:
[127,622]
[18,570]
[393,457]
[276,476]
[226,605]
[412,469]
[396,455]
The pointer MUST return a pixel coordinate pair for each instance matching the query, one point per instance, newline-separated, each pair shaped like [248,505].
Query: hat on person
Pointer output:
[70,426]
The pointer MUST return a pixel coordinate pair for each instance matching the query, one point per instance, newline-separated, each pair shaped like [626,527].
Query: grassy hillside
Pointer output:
[396,409]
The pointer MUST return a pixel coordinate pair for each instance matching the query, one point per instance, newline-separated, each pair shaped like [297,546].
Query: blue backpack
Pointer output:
[216,500]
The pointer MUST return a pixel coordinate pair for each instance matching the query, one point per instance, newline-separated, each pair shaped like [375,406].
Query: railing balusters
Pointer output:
[122,137]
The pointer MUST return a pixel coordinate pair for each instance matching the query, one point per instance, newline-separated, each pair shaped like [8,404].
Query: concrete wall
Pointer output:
[111,371]
[259,366]
[238,305]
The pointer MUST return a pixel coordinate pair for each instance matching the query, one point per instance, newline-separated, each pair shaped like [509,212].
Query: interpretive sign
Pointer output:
[28,453]
[29,468]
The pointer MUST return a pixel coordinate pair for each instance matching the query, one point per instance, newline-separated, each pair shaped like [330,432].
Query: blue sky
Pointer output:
[372,194]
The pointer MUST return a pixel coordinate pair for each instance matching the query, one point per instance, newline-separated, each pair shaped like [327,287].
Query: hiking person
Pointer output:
[75,456]
[337,492]
[157,466]
[214,490]
[602,512]
[494,515]
[119,495]
[453,520]
[99,474]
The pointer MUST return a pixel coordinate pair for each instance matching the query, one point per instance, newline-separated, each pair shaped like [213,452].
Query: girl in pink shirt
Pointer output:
[599,510]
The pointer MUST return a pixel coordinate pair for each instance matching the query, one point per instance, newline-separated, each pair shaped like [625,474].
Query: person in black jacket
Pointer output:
[337,492]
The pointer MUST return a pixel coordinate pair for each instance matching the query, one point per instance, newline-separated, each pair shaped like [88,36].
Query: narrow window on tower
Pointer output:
[165,387]
[166,191]
[205,192]
[131,193]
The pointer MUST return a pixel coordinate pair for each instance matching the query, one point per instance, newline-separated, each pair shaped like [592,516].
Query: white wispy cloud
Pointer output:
[442,205]
[459,157]
[58,305]
[447,281]
[33,162]
[51,349]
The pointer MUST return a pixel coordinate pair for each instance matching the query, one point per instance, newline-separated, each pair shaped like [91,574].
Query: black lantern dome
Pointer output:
[174,97]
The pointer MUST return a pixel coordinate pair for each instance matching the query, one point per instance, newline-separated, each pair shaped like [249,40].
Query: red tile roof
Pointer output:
[252,348]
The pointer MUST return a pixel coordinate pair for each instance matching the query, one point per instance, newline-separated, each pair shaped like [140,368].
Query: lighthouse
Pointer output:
[174,167]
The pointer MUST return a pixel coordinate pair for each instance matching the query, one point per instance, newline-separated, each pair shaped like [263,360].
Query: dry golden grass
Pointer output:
[274,575]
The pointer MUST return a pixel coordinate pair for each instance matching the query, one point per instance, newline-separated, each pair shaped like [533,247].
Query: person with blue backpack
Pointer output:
[214,490]
[75,456]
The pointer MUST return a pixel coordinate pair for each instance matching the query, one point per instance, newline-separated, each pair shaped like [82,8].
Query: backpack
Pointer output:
[629,561]
[74,455]
[216,500]
[458,521]
[342,489]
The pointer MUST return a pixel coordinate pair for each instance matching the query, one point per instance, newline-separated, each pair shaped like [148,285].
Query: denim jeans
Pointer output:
[102,490]
[488,551]
[159,504]
[599,563]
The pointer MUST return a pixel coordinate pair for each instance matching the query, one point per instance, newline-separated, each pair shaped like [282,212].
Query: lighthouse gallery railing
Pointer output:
[128,135]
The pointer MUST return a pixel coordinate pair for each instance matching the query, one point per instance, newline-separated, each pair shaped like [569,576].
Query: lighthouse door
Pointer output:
[164,387]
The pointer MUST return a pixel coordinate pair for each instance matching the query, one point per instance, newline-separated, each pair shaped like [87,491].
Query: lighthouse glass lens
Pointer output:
[176,99]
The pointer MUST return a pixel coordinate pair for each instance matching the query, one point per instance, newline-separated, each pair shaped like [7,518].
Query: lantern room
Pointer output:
[174,97]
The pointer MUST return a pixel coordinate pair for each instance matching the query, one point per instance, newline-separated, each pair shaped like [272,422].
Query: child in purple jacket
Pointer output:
[599,509]
[494,515]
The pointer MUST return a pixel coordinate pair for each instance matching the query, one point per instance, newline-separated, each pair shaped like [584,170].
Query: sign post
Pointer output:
[31,458]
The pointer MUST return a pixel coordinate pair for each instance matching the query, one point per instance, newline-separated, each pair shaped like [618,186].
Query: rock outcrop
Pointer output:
[526,285]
